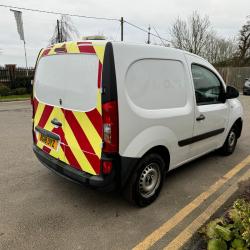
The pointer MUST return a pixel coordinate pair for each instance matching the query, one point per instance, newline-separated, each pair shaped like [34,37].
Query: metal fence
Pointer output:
[235,76]
[14,77]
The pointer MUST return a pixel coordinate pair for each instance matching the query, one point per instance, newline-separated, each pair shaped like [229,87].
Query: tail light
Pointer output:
[110,127]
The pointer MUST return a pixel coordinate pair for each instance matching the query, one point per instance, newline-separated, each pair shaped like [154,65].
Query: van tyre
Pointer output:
[230,143]
[146,182]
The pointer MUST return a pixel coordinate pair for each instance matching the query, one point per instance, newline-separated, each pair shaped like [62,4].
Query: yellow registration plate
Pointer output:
[48,141]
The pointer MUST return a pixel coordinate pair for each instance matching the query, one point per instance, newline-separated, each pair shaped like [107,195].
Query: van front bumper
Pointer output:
[106,183]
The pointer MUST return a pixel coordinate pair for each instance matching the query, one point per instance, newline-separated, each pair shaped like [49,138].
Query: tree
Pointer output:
[244,43]
[218,49]
[191,35]
[64,30]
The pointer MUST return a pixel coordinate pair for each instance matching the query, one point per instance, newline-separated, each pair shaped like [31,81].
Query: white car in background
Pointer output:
[246,87]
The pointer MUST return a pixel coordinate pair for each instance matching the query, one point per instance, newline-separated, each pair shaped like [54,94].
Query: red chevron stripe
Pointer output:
[83,141]
[71,158]
[99,75]
[45,52]
[86,49]
[45,116]
[96,119]
[83,43]
[66,149]
[35,104]
[46,149]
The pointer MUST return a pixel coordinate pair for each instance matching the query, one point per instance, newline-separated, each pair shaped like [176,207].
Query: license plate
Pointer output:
[52,143]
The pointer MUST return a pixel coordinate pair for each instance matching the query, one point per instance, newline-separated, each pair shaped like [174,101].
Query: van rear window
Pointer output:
[70,79]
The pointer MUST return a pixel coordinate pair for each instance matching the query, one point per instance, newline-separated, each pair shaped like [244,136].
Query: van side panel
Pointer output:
[155,100]
[81,132]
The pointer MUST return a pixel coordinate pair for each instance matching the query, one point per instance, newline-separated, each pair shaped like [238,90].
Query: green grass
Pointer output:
[14,97]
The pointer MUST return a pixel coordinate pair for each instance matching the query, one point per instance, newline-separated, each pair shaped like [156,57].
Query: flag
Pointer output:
[19,23]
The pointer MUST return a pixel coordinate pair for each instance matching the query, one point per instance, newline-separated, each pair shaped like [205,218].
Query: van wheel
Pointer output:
[230,143]
[146,182]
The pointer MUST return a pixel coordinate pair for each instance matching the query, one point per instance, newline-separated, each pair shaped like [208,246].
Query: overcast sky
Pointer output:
[226,16]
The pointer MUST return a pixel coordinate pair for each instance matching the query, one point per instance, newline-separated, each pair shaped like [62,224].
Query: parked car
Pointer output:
[119,115]
[246,87]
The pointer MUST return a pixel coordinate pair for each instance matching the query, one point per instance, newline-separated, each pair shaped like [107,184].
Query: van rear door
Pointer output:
[48,114]
[69,83]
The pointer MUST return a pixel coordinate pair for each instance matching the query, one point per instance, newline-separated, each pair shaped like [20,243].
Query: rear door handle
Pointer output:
[200,118]
[56,122]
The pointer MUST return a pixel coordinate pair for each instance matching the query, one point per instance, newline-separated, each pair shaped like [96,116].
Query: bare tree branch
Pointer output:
[191,35]
[65,32]
[244,44]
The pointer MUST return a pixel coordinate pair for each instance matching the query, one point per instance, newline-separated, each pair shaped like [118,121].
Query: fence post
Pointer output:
[12,74]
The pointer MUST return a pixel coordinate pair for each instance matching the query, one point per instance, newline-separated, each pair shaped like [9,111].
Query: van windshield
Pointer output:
[69,77]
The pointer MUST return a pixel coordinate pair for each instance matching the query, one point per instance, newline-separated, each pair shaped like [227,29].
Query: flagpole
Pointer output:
[25,54]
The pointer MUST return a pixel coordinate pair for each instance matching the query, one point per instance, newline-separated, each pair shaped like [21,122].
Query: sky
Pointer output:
[226,17]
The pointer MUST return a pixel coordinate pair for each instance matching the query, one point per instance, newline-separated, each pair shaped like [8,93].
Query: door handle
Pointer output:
[200,118]
[56,122]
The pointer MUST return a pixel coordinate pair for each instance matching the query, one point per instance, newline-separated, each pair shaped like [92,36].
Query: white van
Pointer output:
[118,115]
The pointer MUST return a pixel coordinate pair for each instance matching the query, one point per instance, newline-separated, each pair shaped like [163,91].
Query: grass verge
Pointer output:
[14,98]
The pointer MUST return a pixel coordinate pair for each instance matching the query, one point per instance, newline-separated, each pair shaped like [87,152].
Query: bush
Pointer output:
[19,91]
[231,232]
[4,90]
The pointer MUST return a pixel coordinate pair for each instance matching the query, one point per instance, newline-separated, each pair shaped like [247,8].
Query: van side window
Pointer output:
[208,88]
[154,84]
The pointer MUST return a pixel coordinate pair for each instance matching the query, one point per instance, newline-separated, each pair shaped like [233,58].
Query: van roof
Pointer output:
[73,47]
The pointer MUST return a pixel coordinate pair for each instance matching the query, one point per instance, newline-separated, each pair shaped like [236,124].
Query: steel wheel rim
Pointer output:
[231,139]
[149,180]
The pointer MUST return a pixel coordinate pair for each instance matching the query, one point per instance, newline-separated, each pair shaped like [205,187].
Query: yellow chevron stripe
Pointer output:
[40,145]
[38,114]
[90,131]
[76,150]
[99,50]
[72,47]
[52,50]
[99,101]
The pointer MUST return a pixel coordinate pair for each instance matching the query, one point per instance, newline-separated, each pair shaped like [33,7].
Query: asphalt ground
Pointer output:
[40,210]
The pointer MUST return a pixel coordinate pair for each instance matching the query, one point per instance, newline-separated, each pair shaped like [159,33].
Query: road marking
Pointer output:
[187,233]
[156,235]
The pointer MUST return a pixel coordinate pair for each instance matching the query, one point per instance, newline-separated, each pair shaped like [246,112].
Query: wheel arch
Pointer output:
[238,125]
[163,152]
[129,165]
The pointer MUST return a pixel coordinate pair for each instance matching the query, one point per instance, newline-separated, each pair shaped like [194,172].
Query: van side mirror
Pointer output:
[231,92]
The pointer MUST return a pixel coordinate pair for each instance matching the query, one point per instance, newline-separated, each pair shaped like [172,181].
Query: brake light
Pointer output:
[110,127]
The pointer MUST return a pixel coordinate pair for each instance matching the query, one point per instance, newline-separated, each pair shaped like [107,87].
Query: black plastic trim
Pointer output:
[200,137]
[105,183]
[109,88]
[122,170]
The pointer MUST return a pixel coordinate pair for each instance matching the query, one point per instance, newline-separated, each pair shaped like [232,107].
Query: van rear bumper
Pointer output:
[106,183]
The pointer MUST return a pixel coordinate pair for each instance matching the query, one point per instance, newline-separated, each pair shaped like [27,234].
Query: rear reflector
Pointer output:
[106,167]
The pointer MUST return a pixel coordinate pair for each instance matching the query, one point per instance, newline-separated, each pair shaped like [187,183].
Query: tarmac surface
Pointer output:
[40,210]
